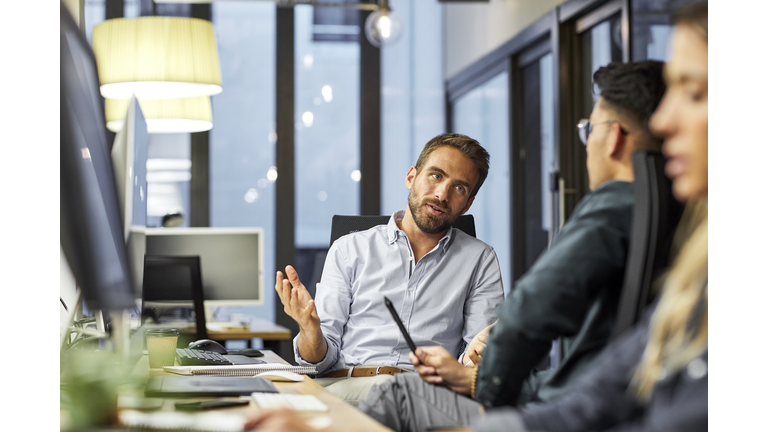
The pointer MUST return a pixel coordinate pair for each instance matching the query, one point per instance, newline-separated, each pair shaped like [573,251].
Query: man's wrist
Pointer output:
[312,335]
[474,381]
[464,381]
[312,345]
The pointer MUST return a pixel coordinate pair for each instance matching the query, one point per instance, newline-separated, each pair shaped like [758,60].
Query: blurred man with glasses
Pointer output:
[570,292]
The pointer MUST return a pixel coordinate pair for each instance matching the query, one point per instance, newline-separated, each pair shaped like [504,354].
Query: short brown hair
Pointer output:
[633,90]
[470,147]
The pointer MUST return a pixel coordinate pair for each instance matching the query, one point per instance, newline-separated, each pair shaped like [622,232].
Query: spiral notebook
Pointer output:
[239,370]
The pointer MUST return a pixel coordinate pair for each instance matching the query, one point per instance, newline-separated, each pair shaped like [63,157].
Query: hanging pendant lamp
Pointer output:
[156,58]
[164,115]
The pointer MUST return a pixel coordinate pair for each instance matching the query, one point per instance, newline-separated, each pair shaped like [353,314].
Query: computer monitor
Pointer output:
[129,158]
[172,290]
[91,229]
[231,259]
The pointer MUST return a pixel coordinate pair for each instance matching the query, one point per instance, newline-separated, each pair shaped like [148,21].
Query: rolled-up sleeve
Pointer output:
[485,294]
[332,299]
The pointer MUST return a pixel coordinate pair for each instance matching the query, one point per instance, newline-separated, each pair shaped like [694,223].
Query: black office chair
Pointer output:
[171,281]
[655,217]
[342,225]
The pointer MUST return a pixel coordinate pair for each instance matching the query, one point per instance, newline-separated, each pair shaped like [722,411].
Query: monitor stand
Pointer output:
[121,333]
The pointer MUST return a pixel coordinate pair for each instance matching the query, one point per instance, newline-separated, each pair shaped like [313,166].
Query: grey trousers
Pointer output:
[352,390]
[408,403]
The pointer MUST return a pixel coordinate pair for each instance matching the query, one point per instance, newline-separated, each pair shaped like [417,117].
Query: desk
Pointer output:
[344,417]
[269,332]
[259,328]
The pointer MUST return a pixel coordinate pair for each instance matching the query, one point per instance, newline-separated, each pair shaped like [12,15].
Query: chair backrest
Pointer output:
[173,281]
[342,224]
[655,217]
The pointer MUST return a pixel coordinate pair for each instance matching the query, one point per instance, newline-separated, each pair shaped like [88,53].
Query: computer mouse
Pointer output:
[207,345]
[250,352]
[281,376]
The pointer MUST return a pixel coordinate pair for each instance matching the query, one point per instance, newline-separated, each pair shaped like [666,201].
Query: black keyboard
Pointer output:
[190,357]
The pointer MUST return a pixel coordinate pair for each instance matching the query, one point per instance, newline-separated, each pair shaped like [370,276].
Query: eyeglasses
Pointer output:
[585,128]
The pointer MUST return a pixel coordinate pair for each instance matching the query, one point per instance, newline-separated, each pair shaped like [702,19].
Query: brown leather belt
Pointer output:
[366,371]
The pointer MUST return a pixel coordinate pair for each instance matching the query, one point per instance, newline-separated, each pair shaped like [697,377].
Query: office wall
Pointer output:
[472,30]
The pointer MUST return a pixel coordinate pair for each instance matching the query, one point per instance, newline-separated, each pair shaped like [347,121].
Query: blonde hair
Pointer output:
[678,331]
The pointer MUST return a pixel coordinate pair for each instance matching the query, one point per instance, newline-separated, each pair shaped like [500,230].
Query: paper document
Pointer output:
[239,370]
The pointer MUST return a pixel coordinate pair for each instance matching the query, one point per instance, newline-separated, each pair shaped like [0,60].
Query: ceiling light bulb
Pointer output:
[385,26]
[382,27]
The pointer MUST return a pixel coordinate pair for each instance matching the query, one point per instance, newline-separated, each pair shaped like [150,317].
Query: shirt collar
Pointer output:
[393,231]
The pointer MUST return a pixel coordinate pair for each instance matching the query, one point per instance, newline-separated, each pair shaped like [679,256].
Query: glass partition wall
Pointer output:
[590,37]
[483,114]
[536,154]
[507,102]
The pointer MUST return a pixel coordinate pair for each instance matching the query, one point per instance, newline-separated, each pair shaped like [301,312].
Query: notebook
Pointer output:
[187,386]
[239,370]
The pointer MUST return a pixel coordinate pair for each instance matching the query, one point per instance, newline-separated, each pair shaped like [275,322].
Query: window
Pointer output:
[94,12]
[651,29]
[536,147]
[168,177]
[412,101]
[483,114]
[327,131]
[242,141]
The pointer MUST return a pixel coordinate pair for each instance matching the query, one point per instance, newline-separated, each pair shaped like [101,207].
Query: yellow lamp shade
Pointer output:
[156,58]
[164,115]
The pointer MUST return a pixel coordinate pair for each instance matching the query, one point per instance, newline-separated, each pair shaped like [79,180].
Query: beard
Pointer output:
[426,221]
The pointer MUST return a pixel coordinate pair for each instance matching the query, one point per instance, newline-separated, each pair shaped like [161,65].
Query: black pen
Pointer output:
[407,337]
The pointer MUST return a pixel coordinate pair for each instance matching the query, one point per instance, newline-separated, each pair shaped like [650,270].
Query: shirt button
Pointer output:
[410,289]
[394,352]
[496,380]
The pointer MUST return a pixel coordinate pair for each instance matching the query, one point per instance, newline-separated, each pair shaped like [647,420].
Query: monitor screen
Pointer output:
[91,229]
[129,158]
[231,260]
[173,292]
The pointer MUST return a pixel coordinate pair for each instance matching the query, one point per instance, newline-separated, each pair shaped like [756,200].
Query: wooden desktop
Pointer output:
[344,417]
[258,328]
[272,334]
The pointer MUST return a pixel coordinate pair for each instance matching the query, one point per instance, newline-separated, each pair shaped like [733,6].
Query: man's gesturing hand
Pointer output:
[297,302]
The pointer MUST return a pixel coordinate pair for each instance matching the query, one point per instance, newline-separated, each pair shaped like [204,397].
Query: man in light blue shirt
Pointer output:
[443,283]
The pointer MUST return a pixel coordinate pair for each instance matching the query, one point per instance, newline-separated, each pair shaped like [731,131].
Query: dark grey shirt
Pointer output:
[603,399]
[571,291]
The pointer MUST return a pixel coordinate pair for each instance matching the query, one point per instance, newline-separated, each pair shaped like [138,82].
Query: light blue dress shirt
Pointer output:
[447,297]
